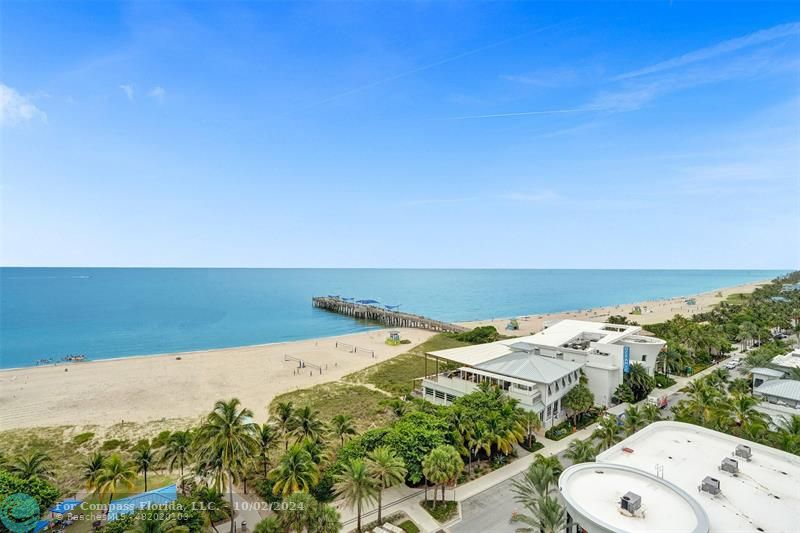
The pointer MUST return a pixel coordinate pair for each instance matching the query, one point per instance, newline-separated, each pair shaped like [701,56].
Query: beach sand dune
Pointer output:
[141,389]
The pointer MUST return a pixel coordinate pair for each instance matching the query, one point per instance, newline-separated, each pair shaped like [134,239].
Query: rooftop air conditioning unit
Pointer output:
[730,465]
[710,485]
[744,451]
[631,502]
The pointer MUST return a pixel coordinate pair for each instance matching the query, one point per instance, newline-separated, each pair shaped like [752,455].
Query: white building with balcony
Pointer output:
[539,369]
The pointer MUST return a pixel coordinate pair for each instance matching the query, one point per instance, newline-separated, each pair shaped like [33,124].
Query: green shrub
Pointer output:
[663,382]
[43,492]
[82,438]
[408,526]
[443,512]
[162,438]
[113,444]
[479,335]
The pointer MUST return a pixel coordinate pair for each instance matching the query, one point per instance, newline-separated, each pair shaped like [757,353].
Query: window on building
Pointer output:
[450,398]
[440,395]
[644,358]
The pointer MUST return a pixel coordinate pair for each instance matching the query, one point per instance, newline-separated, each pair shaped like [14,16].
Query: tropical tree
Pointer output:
[746,334]
[531,421]
[739,386]
[703,402]
[307,424]
[744,414]
[607,432]
[789,434]
[550,461]
[650,413]
[581,451]
[269,524]
[228,435]
[548,516]
[212,505]
[387,469]
[342,427]
[153,523]
[296,471]
[116,472]
[266,438]
[356,486]
[325,519]
[178,450]
[442,466]
[32,465]
[399,407]
[283,418]
[93,470]
[633,421]
[144,458]
[577,401]
[535,492]
[479,439]
[640,381]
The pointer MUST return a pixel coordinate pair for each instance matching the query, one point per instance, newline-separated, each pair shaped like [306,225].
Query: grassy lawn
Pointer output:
[408,526]
[396,375]
[736,298]
[332,399]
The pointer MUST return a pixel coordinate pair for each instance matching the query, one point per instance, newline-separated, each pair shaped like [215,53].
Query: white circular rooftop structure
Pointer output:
[594,495]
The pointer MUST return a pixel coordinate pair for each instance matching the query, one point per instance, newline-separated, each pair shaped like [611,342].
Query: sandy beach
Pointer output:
[141,389]
[652,311]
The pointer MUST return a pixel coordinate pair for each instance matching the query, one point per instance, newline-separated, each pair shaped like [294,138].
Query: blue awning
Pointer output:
[65,506]
[144,500]
[367,302]
[40,525]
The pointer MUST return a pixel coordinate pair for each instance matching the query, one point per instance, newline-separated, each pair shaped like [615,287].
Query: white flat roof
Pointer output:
[764,496]
[780,388]
[789,360]
[530,367]
[594,490]
[565,330]
[555,336]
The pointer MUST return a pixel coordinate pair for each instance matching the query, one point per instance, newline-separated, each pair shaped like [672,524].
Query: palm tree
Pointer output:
[32,465]
[581,451]
[296,471]
[703,402]
[116,472]
[789,434]
[212,505]
[550,461]
[325,520]
[178,450]
[228,434]
[607,432]
[739,385]
[532,423]
[307,424]
[93,470]
[633,421]
[442,465]
[156,524]
[480,439]
[548,516]
[744,414]
[284,420]
[537,481]
[342,426]
[268,525]
[640,381]
[650,413]
[144,457]
[356,486]
[387,469]
[266,437]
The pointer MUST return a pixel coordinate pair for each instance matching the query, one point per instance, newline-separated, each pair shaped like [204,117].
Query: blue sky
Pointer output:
[409,134]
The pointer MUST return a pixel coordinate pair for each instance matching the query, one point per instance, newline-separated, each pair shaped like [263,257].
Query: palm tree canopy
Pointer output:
[295,472]
[581,451]
[386,467]
[32,465]
[355,484]
[93,469]
[116,472]
[228,433]
[342,426]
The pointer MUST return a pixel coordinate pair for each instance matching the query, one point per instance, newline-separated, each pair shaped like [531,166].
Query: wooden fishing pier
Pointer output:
[387,317]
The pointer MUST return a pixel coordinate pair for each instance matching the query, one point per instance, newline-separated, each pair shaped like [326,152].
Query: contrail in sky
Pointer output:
[523,113]
[432,65]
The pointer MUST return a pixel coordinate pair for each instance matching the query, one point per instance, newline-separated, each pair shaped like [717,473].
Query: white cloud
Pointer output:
[158,93]
[15,108]
[128,90]
[719,49]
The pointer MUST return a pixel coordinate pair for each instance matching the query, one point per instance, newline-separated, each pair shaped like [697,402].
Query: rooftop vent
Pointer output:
[730,465]
[744,451]
[631,502]
[710,485]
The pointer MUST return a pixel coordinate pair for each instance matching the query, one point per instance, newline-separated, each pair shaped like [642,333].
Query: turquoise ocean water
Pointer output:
[110,312]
